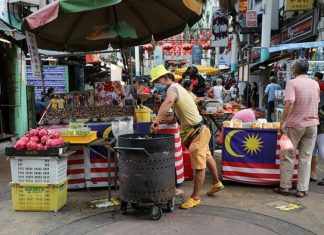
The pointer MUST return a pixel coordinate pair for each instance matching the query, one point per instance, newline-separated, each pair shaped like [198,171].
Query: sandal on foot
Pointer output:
[190,203]
[313,179]
[301,194]
[281,191]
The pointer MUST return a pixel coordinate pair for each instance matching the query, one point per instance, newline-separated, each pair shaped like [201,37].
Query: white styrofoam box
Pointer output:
[38,169]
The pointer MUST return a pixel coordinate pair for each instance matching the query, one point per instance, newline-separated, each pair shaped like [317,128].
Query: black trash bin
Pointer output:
[147,172]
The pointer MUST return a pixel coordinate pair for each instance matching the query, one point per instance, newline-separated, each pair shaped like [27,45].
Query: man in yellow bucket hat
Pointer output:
[194,133]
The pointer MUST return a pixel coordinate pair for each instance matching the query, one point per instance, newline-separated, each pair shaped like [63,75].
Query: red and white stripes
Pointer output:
[174,129]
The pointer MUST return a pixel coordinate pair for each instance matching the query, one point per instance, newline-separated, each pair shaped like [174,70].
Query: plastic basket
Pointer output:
[84,139]
[38,197]
[50,170]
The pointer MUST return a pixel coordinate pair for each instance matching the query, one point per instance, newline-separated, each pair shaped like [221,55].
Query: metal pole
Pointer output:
[266,28]
[137,61]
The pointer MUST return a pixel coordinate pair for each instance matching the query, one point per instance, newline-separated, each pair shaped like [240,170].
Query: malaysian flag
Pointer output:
[252,156]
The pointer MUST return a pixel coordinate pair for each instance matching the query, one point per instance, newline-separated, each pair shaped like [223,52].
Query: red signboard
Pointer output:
[299,29]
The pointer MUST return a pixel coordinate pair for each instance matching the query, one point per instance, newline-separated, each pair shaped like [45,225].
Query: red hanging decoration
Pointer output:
[167,46]
[148,47]
[187,46]
[206,46]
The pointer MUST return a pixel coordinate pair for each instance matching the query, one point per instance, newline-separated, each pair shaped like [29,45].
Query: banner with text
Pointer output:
[298,5]
[220,28]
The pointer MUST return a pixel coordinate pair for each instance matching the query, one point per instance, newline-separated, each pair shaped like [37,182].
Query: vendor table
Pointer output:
[215,123]
[252,156]
[92,165]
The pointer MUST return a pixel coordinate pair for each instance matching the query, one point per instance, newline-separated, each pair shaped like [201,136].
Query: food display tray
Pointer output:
[77,139]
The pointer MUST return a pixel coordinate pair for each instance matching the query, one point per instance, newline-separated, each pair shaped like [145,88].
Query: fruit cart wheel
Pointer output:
[123,207]
[135,205]
[170,205]
[155,213]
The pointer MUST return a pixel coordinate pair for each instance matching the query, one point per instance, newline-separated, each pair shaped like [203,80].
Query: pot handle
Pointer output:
[118,149]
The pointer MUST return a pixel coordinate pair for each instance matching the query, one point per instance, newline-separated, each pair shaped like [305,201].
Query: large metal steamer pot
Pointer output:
[147,171]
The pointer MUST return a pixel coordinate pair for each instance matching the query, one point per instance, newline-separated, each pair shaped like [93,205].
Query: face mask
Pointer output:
[160,87]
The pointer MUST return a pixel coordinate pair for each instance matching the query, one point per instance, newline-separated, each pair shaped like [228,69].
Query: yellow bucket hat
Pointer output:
[157,72]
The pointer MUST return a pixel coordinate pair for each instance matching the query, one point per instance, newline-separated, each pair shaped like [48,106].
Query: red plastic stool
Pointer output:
[188,172]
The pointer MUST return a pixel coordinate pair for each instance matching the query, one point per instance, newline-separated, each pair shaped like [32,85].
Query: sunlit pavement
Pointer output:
[239,209]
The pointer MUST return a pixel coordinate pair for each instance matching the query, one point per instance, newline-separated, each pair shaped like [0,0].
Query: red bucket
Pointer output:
[188,172]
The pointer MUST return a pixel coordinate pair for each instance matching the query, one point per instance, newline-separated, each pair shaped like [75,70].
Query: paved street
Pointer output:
[239,209]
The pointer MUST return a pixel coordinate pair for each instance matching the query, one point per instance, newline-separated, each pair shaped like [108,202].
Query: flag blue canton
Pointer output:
[250,146]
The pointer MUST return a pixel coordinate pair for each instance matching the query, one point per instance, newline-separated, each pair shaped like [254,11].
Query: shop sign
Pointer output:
[34,56]
[54,76]
[299,29]
[255,53]
[158,56]
[196,54]
[243,6]
[298,5]
[251,19]
[220,28]
[224,59]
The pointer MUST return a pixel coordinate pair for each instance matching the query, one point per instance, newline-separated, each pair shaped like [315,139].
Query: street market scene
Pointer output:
[161,117]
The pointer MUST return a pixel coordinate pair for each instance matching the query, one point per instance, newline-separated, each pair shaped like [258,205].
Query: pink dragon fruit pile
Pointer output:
[39,139]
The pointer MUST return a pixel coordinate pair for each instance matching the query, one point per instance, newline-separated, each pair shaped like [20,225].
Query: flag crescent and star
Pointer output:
[251,143]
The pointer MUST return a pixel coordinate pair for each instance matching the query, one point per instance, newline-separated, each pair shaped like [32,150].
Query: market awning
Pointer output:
[10,31]
[273,58]
[292,46]
[201,69]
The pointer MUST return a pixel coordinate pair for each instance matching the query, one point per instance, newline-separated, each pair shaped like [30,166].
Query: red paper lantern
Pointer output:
[206,46]
[148,47]
[167,46]
[187,46]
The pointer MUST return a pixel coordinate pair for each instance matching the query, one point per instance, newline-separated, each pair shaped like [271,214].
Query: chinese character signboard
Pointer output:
[243,6]
[251,19]
[34,56]
[298,5]
[299,29]
[220,28]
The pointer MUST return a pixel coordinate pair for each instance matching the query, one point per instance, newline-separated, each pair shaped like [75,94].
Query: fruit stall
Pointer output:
[84,120]
[38,164]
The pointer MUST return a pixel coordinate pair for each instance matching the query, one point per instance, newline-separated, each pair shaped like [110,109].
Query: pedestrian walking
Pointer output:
[254,96]
[299,121]
[270,91]
[194,133]
[219,91]
[247,94]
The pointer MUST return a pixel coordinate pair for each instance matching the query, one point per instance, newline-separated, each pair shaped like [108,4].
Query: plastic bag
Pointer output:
[285,143]
[122,127]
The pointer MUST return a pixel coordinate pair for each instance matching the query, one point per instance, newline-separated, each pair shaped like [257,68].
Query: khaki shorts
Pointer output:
[199,150]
